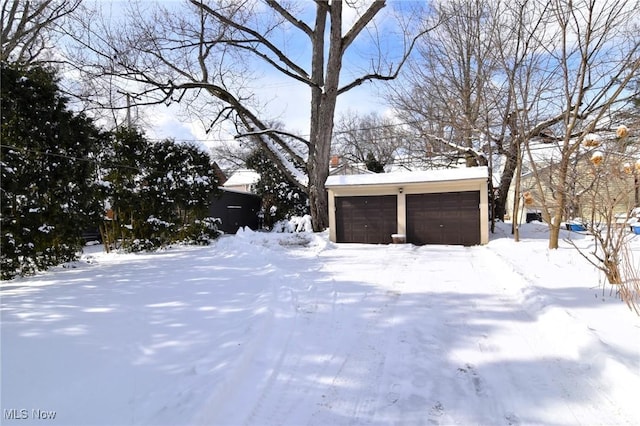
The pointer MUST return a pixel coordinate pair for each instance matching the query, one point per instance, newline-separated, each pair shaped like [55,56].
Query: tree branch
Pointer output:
[273,131]
[361,23]
[292,19]
[391,76]
[296,76]
[259,38]
[24,28]
[286,166]
[460,148]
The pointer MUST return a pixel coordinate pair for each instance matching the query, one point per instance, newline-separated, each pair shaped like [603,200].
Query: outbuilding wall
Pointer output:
[235,209]
[401,190]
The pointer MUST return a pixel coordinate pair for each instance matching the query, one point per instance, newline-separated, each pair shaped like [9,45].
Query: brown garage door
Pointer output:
[370,219]
[444,218]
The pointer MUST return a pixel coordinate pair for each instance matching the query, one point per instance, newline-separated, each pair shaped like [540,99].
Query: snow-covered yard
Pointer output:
[290,329]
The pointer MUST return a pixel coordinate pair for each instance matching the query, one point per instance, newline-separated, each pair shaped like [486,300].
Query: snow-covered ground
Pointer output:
[290,329]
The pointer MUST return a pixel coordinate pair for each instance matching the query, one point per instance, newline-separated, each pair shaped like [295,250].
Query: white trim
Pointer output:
[401,178]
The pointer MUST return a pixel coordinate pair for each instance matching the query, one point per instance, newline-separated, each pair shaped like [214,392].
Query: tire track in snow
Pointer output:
[279,398]
[353,393]
[284,392]
[284,346]
[362,368]
[350,373]
[240,381]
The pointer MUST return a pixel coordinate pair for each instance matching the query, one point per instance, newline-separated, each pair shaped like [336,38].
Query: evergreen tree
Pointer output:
[281,199]
[158,192]
[373,164]
[122,164]
[48,172]
[179,181]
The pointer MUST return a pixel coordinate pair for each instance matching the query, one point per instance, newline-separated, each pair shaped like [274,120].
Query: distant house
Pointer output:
[243,180]
[220,176]
[613,193]
[339,167]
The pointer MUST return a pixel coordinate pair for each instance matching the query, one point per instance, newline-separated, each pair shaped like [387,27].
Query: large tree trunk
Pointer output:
[318,167]
[318,163]
[318,199]
[323,105]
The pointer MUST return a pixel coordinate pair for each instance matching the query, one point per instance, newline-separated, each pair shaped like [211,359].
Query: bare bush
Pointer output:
[629,288]
[604,198]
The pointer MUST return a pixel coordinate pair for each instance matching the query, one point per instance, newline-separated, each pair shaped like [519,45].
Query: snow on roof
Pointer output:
[409,177]
[237,191]
[242,177]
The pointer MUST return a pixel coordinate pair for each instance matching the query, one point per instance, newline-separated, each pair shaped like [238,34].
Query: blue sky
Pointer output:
[287,100]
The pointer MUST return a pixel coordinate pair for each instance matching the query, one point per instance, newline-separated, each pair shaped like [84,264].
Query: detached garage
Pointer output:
[431,207]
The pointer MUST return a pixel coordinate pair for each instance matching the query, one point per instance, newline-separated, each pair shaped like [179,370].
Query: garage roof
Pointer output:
[409,177]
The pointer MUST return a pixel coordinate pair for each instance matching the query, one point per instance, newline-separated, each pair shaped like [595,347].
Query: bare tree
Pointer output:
[447,95]
[27,27]
[361,137]
[519,105]
[475,85]
[593,58]
[233,154]
[498,76]
[604,179]
[216,51]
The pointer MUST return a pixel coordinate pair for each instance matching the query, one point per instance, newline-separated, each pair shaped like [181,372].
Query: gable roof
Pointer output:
[409,177]
[243,177]
[222,178]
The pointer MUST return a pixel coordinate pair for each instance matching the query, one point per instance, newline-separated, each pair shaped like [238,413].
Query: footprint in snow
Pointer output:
[512,419]
[436,411]
[475,378]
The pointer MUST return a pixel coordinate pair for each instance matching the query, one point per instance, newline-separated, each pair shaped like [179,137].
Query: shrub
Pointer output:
[48,173]
[200,232]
